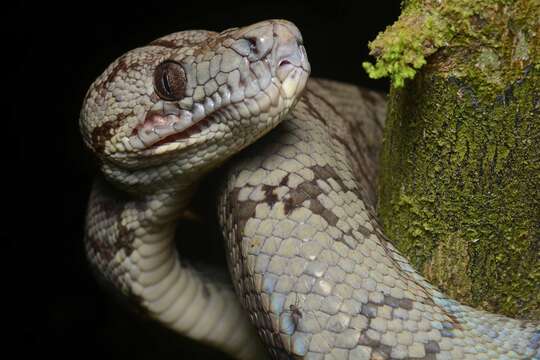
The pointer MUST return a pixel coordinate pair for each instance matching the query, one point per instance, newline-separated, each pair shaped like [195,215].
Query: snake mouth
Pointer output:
[184,134]
[162,129]
[167,123]
[169,127]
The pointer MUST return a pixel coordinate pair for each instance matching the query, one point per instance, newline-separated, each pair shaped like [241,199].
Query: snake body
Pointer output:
[309,261]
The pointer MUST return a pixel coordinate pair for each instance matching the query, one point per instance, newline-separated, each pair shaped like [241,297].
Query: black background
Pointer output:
[58,307]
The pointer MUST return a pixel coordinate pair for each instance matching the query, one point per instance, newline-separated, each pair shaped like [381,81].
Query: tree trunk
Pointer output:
[460,174]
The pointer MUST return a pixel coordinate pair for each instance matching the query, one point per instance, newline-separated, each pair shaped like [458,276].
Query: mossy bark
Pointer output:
[460,174]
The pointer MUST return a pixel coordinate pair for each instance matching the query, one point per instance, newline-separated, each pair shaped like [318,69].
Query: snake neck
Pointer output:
[126,233]
[131,241]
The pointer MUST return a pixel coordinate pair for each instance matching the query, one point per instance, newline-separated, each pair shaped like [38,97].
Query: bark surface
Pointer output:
[460,182]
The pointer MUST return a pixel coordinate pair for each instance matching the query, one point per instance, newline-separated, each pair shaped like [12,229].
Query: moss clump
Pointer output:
[426,26]
[403,47]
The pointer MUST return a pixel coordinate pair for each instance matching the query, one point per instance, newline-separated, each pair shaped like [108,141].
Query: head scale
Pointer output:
[189,100]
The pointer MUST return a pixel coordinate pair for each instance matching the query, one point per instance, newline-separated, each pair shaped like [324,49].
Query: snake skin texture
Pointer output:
[314,273]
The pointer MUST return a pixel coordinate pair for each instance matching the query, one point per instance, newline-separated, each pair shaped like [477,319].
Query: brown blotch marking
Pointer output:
[311,189]
[379,351]
[110,204]
[316,207]
[295,199]
[298,197]
[120,66]
[322,172]
[242,210]
[165,43]
[284,181]
[246,209]
[270,197]
[325,172]
[330,217]
[288,205]
[104,132]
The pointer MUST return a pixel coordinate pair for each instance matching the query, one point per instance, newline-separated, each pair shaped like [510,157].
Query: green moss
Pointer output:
[402,50]
[459,186]
[460,161]
[449,265]
[428,26]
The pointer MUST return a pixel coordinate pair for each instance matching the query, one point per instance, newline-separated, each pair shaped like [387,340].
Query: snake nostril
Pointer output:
[252,44]
[284,62]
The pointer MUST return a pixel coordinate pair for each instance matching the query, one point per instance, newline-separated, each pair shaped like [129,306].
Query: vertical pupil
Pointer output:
[169,81]
[166,84]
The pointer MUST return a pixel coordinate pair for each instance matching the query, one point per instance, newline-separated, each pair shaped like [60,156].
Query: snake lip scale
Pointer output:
[154,119]
[314,276]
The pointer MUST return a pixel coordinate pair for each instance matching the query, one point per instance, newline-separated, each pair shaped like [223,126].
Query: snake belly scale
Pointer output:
[313,273]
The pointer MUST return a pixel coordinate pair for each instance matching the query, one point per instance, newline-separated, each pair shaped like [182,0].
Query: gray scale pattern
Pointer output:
[318,277]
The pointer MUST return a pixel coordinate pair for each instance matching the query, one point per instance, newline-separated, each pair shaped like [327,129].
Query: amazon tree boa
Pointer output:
[313,273]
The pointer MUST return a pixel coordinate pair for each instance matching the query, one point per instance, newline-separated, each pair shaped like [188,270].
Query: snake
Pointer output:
[313,274]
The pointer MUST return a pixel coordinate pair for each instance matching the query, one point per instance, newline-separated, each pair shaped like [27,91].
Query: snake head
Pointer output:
[191,99]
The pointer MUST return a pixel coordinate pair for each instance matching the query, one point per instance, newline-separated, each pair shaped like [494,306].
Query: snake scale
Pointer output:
[314,272]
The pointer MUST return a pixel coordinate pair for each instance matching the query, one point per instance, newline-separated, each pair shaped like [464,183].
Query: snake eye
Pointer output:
[170,80]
